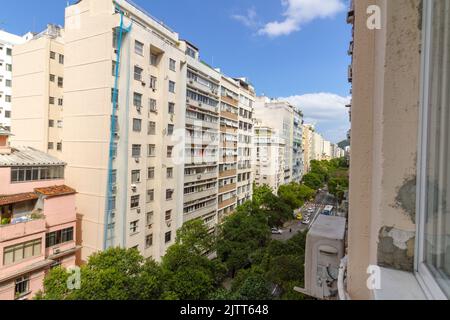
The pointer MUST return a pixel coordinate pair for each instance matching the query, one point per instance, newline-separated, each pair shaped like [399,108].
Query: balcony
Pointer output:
[225,129]
[201,105]
[202,87]
[199,195]
[228,159]
[200,176]
[227,188]
[227,203]
[228,173]
[199,212]
[229,115]
[230,101]
[21,229]
[201,123]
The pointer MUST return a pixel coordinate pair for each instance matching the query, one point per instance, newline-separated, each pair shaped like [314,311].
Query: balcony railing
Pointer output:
[23,228]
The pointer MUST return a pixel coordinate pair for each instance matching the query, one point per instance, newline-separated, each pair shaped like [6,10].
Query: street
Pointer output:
[291,228]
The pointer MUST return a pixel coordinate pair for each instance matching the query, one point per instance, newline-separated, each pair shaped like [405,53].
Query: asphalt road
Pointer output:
[323,198]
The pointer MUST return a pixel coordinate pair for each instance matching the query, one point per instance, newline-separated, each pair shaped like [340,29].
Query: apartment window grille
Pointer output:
[135,176]
[172,86]
[150,195]
[134,227]
[433,227]
[22,251]
[172,64]
[139,48]
[151,128]
[136,150]
[151,173]
[22,286]
[137,125]
[134,201]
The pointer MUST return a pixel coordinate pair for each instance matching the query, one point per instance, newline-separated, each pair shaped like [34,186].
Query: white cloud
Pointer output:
[326,111]
[249,20]
[300,12]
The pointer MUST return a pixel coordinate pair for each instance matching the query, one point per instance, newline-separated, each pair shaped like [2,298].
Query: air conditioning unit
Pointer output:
[138,210]
[199,177]
[199,104]
[134,187]
[137,160]
[56,250]
[171,117]
[143,83]
[191,81]
[138,108]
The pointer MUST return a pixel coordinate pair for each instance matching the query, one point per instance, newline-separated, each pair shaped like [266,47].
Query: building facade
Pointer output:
[7,43]
[298,165]
[38,91]
[37,219]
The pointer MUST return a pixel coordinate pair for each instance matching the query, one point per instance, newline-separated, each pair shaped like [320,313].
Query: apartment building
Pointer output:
[7,43]
[269,161]
[245,143]
[317,147]
[307,144]
[298,153]
[201,165]
[124,125]
[38,91]
[399,195]
[279,115]
[37,219]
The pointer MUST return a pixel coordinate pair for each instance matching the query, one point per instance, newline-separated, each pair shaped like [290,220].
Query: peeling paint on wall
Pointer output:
[396,249]
[406,198]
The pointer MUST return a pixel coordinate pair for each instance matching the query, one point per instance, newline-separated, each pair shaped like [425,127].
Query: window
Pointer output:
[134,227]
[172,64]
[22,174]
[51,123]
[150,195]
[153,59]
[59,146]
[433,258]
[168,236]
[151,150]
[114,67]
[151,128]
[137,99]
[58,237]
[8,83]
[137,124]
[170,129]
[149,218]
[169,173]
[169,151]
[50,146]
[171,108]
[153,81]
[149,241]
[61,59]
[52,55]
[51,100]
[169,194]
[8,51]
[7,98]
[134,201]
[22,286]
[52,78]
[7,114]
[152,105]
[139,48]
[172,86]
[136,150]
[168,215]
[151,173]
[137,73]
[60,82]
[135,176]
[9,67]
[19,252]
[60,102]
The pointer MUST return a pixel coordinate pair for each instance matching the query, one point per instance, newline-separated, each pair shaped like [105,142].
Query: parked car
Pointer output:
[276,231]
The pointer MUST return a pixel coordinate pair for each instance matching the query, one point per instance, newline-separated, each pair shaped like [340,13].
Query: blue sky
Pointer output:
[292,49]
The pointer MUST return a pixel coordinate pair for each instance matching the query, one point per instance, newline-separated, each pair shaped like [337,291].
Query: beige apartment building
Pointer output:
[269,161]
[38,91]
[399,175]
[278,115]
[307,143]
[153,137]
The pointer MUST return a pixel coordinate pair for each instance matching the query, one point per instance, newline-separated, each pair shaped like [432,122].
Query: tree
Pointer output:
[250,284]
[312,180]
[195,236]
[261,194]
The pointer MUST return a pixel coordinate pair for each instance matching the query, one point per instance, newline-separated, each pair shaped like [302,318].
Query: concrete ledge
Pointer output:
[398,285]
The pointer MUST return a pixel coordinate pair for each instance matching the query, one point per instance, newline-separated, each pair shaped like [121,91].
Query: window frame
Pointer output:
[423,274]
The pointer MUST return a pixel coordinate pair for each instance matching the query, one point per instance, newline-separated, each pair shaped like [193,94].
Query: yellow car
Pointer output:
[299,216]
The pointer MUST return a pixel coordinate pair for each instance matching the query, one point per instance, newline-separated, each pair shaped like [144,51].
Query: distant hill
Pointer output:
[344,144]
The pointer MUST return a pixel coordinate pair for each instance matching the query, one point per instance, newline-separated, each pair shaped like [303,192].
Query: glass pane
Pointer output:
[437,221]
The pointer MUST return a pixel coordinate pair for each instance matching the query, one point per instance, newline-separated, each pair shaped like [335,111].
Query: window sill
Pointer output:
[398,285]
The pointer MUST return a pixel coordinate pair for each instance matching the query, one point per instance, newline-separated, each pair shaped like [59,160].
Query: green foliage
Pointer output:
[261,194]
[313,181]
[295,194]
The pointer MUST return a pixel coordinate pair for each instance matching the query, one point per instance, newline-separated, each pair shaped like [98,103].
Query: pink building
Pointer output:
[37,219]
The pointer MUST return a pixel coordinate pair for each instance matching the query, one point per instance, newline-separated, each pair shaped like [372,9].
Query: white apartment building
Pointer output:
[7,43]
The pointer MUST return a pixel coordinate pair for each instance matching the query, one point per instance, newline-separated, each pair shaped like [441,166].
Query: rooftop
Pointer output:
[55,191]
[16,198]
[329,227]
[27,156]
